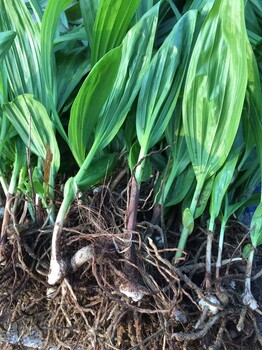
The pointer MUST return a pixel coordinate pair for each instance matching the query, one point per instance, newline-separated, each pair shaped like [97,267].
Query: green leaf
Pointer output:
[89,11]
[215,87]
[246,250]
[72,66]
[48,31]
[256,227]
[254,98]
[20,160]
[32,123]
[89,102]
[6,40]
[100,167]
[203,198]
[22,62]
[221,183]
[178,154]
[77,33]
[132,161]
[111,24]
[188,220]
[230,209]
[180,187]
[135,56]
[161,84]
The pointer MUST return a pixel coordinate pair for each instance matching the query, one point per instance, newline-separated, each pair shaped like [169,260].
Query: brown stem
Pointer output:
[132,206]
[157,212]
[132,219]
[5,223]
[210,236]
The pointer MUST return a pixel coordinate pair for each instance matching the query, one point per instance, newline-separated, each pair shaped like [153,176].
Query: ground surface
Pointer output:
[87,310]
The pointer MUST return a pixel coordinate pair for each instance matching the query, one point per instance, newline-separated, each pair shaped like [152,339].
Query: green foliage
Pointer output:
[111,24]
[6,40]
[122,79]
[217,75]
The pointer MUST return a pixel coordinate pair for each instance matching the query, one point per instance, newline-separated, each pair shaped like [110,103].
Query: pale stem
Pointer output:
[248,298]
[7,214]
[186,231]
[81,257]
[220,249]
[5,223]
[140,168]
[57,264]
[4,184]
[210,236]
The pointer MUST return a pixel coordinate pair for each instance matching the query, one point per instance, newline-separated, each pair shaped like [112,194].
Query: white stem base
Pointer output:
[57,271]
[81,257]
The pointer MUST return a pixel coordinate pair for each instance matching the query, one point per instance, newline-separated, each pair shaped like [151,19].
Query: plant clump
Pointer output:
[130,138]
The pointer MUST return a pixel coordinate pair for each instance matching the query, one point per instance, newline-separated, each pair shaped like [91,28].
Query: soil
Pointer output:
[87,310]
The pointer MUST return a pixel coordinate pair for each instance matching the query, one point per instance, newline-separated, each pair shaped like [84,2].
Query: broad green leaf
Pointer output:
[32,123]
[180,187]
[48,30]
[49,26]
[161,85]
[135,56]
[89,11]
[256,226]
[6,40]
[254,98]
[89,102]
[22,62]
[252,11]
[231,209]
[143,7]
[217,75]
[111,24]
[72,66]
[178,155]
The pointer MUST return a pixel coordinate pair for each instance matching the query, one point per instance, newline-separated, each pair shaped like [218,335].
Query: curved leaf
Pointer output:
[111,24]
[215,87]
[89,102]
[32,123]
[6,40]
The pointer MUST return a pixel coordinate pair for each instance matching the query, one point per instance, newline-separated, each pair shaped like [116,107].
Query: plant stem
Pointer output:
[4,184]
[58,266]
[248,298]
[131,224]
[5,223]
[220,249]
[186,231]
[210,236]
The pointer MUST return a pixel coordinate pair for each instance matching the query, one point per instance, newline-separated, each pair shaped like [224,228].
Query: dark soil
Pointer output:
[87,311]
